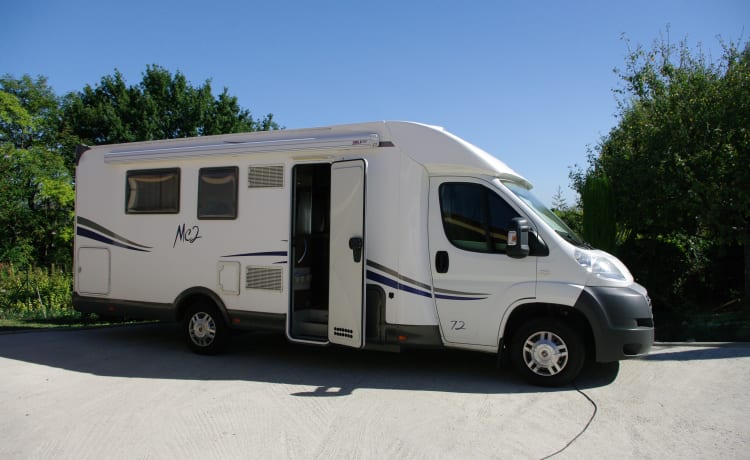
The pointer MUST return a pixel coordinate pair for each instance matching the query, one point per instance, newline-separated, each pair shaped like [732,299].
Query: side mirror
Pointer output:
[518,238]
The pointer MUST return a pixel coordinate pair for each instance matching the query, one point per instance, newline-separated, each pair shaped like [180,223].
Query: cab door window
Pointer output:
[474,217]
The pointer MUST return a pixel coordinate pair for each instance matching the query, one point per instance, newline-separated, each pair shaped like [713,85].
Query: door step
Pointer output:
[310,323]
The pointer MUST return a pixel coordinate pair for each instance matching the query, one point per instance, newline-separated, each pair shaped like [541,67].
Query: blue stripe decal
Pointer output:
[395,284]
[390,282]
[252,254]
[103,239]
[453,297]
[82,221]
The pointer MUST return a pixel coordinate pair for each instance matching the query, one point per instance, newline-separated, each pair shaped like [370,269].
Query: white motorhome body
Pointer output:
[383,233]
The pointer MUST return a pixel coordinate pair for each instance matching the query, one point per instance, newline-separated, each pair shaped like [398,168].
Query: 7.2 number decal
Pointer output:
[458,325]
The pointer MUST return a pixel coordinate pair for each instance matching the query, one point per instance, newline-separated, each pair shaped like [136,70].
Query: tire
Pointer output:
[547,352]
[204,329]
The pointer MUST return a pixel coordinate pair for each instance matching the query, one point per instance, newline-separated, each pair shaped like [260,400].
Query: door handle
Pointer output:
[442,261]
[355,244]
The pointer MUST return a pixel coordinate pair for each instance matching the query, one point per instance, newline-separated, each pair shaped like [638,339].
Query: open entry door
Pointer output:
[347,253]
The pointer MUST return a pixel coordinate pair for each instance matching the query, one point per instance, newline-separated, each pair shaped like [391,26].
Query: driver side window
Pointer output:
[474,217]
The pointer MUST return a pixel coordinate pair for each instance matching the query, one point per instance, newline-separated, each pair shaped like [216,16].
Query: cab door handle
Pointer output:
[442,261]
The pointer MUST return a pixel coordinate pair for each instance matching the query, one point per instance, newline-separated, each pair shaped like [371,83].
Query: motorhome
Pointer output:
[370,235]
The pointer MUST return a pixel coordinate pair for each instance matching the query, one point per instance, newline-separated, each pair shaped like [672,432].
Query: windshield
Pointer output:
[548,216]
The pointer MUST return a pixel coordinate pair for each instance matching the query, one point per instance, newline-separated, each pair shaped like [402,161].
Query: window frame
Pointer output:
[153,172]
[235,170]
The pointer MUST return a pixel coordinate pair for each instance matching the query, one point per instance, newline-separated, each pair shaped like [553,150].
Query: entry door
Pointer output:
[347,253]
[474,280]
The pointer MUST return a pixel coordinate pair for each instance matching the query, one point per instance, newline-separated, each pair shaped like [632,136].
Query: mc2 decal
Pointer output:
[187,234]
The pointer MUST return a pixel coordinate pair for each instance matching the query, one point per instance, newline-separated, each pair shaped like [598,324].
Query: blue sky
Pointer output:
[530,82]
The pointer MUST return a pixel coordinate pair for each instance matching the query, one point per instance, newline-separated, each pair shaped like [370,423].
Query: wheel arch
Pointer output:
[197,294]
[523,313]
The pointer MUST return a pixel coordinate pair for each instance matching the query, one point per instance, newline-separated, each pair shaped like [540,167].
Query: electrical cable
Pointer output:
[586,427]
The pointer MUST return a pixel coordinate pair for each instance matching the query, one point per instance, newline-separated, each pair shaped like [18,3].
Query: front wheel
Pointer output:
[547,352]
[204,329]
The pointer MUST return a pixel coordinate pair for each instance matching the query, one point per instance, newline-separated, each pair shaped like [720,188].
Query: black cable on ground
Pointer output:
[591,419]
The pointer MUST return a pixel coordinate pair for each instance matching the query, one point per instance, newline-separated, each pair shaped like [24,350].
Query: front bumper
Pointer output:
[621,321]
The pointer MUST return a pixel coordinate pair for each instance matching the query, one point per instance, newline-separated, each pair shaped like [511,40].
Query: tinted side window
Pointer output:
[217,193]
[153,191]
[474,217]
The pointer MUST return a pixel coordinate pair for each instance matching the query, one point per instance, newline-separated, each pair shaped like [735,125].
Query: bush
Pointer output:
[694,284]
[35,293]
[572,216]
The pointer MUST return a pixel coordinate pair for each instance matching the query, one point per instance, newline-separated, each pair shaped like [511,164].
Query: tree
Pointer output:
[161,106]
[36,191]
[599,224]
[679,158]
[571,215]
[38,121]
[558,200]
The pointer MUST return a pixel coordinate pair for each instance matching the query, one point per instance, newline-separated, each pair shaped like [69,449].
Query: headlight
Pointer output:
[599,264]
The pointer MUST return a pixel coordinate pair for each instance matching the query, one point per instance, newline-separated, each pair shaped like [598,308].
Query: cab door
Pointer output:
[474,280]
[347,253]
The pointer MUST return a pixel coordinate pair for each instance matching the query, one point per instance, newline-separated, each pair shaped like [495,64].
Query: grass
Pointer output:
[697,326]
[40,298]
[721,327]
[76,321]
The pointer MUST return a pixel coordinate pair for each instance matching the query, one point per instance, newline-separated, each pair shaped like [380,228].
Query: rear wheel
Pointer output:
[204,329]
[547,352]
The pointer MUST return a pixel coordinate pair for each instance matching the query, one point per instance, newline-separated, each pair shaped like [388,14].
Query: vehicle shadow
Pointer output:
[155,351]
[698,352]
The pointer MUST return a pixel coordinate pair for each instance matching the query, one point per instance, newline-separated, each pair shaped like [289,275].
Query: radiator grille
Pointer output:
[265,176]
[263,278]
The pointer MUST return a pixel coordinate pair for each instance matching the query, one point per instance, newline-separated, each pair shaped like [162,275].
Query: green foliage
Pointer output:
[36,188]
[714,327]
[662,266]
[14,119]
[35,293]
[678,161]
[29,113]
[161,106]
[680,153]
[572,216]
[558,200]
[36,216]
[599,225]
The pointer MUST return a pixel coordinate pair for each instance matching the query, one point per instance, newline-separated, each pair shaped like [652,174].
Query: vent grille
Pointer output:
[265,278]
[343,332]
[265,176]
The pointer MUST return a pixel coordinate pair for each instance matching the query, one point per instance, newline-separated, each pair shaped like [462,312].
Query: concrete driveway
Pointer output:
[137,392]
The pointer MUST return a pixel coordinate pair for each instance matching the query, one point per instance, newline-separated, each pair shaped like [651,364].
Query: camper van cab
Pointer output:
[372,235]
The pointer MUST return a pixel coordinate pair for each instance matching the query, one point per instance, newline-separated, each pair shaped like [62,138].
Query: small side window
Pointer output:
[217,193]
[474,217]
[153,191]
